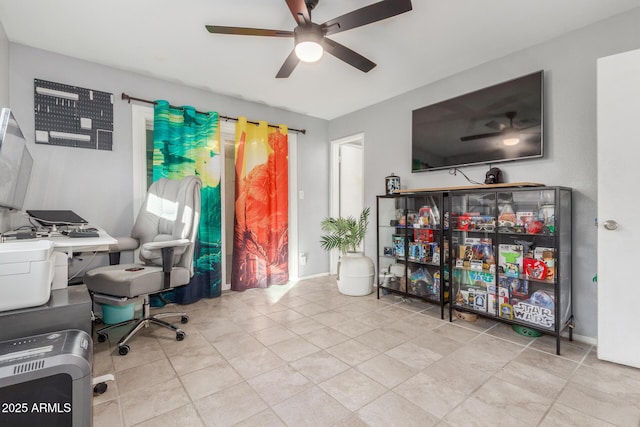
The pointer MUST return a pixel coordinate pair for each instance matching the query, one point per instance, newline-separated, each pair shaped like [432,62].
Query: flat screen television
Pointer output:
[496,124]
[15,162]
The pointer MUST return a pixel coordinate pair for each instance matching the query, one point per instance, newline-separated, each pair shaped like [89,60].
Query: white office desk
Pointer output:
[71,245]
[68,246]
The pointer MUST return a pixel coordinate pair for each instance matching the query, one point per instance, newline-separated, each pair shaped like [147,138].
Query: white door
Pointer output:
[618,218]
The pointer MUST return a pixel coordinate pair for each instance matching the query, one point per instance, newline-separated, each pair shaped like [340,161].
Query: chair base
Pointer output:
[143,322]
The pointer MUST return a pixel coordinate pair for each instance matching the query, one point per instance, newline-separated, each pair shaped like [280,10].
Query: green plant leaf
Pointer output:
[344,234]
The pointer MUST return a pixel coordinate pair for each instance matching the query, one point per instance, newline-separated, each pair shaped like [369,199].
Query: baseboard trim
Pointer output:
[227,286]
[313,276]
[582,338]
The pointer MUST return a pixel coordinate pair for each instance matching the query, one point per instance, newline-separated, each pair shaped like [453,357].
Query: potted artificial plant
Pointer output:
[355,269]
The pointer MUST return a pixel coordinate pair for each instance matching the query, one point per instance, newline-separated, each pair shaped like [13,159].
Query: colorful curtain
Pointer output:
[188,143]
[260,244]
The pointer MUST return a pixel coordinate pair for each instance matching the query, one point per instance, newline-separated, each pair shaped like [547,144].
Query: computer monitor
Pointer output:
[15,162]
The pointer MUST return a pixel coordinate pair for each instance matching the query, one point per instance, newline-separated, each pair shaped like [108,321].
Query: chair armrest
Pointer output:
[157,251]
[124,244]
[167,249]
[155,246]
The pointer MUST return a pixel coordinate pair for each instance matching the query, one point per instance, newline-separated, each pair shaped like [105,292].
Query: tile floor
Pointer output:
[303,354]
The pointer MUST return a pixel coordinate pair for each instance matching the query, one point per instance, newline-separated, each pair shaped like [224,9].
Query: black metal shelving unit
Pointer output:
[510,257]
[413,247]
[503,253]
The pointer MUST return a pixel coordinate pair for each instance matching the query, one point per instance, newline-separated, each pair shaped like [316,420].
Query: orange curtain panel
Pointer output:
[261,226]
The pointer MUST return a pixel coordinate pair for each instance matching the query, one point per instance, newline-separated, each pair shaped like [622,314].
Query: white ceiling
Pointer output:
[167,39]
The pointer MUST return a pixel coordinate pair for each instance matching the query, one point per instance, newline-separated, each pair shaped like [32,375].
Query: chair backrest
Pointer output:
[171,211]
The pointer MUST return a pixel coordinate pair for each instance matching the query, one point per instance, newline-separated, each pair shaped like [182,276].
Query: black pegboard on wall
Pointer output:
[72,116]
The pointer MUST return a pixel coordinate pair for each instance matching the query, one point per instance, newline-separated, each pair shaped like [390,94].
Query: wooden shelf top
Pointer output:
[472,187]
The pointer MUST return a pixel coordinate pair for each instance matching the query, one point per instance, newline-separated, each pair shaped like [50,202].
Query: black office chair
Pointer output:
[165,229]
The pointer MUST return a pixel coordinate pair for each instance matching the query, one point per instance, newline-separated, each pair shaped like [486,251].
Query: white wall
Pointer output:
[4,68]
[570,135]
[4,102]
[98,184]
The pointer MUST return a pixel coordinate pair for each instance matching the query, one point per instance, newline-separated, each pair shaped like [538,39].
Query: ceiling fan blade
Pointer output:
[288,66]
[366,15]
[495,125]
[243,31]
[480,136]
[299,11]
[532,125]
[347,55]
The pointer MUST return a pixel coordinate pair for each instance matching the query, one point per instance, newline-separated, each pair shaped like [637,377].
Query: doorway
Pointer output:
[347,184]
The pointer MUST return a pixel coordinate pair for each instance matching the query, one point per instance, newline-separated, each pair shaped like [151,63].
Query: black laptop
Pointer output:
[57,218]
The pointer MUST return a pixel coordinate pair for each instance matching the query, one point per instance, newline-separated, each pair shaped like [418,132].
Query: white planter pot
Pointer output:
[355,274]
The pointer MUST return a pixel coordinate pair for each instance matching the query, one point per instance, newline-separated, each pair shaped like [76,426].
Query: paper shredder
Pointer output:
[45,380]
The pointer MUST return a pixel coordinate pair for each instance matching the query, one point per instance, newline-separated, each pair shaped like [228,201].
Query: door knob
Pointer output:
[610,225]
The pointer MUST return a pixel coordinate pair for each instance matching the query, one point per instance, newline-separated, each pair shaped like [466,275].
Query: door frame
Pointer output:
[334,203]
[141,122]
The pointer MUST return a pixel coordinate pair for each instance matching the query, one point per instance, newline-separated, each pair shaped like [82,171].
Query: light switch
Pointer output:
[301,194]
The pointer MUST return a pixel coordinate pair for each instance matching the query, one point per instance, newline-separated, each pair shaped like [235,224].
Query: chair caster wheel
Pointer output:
[123,350]
[184,319]
[99,389]
[102,337]
[180,335]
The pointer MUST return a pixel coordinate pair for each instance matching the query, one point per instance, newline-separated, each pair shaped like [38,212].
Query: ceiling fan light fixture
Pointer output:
[309,51]
[511,140]
[308,41]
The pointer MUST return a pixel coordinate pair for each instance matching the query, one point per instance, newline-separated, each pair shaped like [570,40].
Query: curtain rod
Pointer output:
[128,98]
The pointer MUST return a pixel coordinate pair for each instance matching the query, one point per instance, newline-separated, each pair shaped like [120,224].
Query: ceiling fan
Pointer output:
[310,38]
[510,133]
